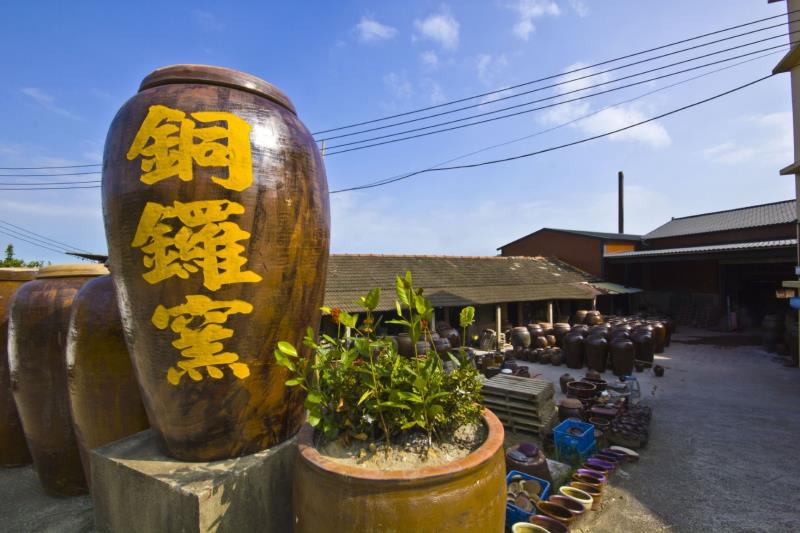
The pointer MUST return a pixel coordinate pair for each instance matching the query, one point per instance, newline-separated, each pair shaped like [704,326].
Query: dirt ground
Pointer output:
[722,454]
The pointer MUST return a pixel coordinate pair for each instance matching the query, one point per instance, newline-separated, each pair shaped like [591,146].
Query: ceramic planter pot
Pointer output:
[556,512]
[103,395]
[217,218]
[38,327]
[13,448]
[578,495]
[465,495]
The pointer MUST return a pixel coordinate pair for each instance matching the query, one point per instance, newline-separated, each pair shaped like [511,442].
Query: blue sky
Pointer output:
[69,66]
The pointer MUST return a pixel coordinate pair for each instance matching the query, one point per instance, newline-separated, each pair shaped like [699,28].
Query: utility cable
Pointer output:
[573,121]
[509,115]
[50,188]
[572,80]
[52,167]
[49,174]
[41,237]
[33,243]
[552,76]
[561,146]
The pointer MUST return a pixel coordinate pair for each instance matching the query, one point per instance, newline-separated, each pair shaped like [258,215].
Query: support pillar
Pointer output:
[499,325]
[550,311]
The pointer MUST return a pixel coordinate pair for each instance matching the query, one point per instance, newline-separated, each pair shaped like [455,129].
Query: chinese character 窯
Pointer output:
[202,241]
[169,143]
[198,323]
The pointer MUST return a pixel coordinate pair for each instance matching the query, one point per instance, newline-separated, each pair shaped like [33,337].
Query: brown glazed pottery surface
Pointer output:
[103,394]
[37,338]
[572,505]
[466,495]
[556,511]
[551,525]
[219,249]
[13,449]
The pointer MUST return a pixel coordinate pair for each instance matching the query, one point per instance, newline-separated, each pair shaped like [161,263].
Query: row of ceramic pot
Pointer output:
[67,381]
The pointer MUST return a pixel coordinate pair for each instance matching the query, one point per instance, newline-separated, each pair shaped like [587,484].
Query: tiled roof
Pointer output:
[454,280]
[782,243]
[732,219]
[592,234]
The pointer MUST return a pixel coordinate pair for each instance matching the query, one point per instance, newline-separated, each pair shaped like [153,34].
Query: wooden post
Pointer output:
[432,325]
[499,326]
[550,311]
[520,318]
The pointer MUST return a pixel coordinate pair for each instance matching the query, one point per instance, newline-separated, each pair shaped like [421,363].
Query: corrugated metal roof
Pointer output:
[732,219]
[782,243]
[454,280]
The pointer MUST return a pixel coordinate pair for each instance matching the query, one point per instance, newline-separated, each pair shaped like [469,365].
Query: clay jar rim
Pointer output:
[72,271]
[549,524]
[412,477]
[220,76]
[549,507]
[577,494]
[17,273]
[570,504]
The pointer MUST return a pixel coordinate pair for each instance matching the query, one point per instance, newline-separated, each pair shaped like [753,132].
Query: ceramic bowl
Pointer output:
[556,511]
[527,527]
[550,525]
[577,494]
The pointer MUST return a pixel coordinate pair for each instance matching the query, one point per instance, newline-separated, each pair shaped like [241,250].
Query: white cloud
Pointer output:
[434,91]
[580,7]
[429,58]
[653,134]
[398,85]
[47,101]
[370,30]
[528,11]
[772,141]
[441,28]
[488,66]
[207,21]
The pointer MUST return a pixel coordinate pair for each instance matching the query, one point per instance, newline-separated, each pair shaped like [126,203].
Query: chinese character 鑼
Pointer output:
[169,143]
[198,323]
[204,240]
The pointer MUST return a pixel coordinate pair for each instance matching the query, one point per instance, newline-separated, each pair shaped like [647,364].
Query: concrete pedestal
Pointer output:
[136,488]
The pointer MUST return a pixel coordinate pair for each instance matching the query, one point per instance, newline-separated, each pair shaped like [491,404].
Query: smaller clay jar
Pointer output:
[544,357]
[622,356]
[563,380]
[556,357]
[452,335]
[573,349]
[658,370]
[659,337]
[520,336]
[441,346]
[570,408]
[541,341]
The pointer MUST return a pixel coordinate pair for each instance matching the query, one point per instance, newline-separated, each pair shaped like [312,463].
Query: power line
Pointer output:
[41,238]
[561,146]
[552,76]
[563,124]
[572,80]
[40,175]
[50,188]
[33,243]
[51,183]
[509,115]
[52,167]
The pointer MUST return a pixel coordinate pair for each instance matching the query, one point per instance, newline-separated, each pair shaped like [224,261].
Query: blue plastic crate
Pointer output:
[564,439]
[570,454]
[513,513]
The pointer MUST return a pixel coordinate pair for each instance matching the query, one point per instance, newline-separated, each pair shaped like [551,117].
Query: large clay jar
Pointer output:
[217,220]
[559,330]
[573,349]
[596,348]
[622,356]
[103,395]
[13,449]
[659,337]
[468,494]
[520,337]
[593,318]
[37,335]
[643,346]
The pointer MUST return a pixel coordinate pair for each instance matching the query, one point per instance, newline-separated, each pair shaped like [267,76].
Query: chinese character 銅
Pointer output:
[198,323]
[169,143]
[204,240]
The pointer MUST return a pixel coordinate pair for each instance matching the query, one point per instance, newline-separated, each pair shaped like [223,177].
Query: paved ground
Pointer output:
[723,447]
[722,455]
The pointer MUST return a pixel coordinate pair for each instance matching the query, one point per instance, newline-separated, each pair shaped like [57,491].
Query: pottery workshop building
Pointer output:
[521,289]
[725,266]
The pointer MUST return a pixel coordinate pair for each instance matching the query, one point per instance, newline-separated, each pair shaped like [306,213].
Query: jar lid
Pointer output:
[72,271]
[210,75]
[572,403]
[17,274]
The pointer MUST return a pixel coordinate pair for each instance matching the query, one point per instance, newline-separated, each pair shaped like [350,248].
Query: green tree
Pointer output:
[11,261]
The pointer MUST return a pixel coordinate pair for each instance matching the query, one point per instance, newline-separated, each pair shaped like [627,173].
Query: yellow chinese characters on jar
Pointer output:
[196,237]
[198,322]
[202,241]
[170,144]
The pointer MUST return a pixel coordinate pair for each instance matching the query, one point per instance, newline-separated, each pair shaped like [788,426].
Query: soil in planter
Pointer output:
[408,453]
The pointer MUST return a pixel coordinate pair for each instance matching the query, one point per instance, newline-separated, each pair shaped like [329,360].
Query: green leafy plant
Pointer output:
[359,387]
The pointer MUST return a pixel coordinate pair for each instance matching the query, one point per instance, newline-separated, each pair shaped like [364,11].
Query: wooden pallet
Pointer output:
[541,413]
[516,424]
[519,388]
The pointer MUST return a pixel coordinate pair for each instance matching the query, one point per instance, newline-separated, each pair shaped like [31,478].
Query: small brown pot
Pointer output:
[581,389]
[658,370]
[556,512]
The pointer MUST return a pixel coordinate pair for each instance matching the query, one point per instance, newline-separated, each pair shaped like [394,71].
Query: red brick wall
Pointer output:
[585,253]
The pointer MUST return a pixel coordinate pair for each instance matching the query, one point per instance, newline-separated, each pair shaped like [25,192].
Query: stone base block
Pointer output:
[136,488]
